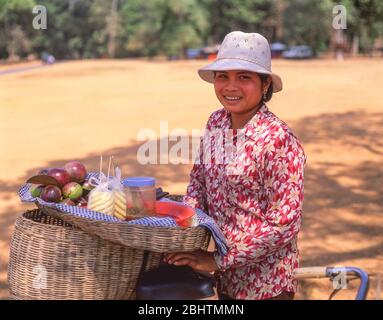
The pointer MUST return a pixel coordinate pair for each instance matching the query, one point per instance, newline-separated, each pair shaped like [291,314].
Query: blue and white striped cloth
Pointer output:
[203,219]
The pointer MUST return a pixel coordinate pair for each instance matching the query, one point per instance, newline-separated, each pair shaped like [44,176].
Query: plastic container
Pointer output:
[140,195]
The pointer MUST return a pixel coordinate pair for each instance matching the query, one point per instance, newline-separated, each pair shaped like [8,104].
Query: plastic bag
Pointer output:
[101,197]
[119,197]
[108,195]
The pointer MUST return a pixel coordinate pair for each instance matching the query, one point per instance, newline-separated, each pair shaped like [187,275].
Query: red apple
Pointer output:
[72,190]
[87,187]
[51,194]
[76,171]
[60,175]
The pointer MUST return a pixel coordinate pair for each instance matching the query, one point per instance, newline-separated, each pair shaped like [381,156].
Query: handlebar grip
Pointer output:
[310,272]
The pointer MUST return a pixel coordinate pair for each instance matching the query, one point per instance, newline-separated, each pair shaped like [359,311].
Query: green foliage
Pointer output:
[308,22]
[126,28]
[231,15]
[364,20]
[15,31]
[163,26]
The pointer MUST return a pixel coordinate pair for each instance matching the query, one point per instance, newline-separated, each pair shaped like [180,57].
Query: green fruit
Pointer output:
[72,190]
[36,191]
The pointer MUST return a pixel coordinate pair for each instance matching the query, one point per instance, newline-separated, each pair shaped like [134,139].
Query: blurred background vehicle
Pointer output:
[298,52]
[193,53]
[277,49]
[47,58]
[207,52]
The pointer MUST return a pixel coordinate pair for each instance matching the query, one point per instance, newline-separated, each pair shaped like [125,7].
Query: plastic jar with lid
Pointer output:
[140,195]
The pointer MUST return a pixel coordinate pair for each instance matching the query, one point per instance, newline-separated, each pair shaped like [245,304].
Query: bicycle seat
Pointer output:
[169,282]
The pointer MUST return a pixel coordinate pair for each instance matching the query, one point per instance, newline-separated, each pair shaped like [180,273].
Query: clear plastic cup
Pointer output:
[140,195]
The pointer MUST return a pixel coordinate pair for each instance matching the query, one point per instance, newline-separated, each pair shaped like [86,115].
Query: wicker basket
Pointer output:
[156,239]
[50,259]
[55,255]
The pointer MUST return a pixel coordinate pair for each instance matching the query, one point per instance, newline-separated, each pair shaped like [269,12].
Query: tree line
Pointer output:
[135,28]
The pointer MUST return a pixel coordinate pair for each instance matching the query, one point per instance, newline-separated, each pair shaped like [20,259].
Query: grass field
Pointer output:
[79,110]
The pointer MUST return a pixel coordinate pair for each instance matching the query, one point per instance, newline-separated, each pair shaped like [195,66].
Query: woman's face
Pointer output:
[238,91]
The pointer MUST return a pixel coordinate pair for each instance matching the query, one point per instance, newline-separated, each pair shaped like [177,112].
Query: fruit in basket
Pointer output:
[101,201]
[36,191]
[68,202]
[43,179]
[51,194]
[72,190]
[76,171]
[86,188]
[85,197]
[83,203]
[60,175]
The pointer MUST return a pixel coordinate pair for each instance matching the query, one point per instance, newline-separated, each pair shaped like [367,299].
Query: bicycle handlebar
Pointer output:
[330,272]
[310,272]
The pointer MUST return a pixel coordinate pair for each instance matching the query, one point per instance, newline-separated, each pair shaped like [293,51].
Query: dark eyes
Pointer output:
[223,76]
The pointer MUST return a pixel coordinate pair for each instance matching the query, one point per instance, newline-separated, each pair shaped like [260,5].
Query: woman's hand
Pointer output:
[198,260]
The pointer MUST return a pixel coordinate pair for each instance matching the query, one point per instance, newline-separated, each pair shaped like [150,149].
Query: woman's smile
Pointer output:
[232,99]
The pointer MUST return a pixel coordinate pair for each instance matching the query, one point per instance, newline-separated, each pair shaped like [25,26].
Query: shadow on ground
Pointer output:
[351,129]
[333,186]
[343,199]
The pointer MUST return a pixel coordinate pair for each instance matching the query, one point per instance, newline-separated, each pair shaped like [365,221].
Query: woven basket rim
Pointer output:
[138,226]
[37,223]
[133,235]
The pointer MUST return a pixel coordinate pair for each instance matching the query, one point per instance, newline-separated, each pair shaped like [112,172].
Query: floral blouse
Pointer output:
[255,195]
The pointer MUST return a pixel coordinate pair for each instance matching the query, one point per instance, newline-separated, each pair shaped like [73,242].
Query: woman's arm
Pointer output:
[283,183]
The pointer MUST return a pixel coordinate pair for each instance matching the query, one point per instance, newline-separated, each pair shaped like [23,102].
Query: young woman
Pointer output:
[256,196]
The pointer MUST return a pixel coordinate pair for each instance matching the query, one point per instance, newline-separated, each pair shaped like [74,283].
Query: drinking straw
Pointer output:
[110,161]
[113,167]
[100,165]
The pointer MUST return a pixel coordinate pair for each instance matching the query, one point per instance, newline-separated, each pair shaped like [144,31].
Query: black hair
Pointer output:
[269,92]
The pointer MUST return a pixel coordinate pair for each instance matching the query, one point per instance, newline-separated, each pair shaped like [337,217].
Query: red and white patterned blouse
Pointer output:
[255,195]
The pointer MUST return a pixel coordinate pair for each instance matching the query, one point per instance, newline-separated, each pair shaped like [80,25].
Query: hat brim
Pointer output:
[207,72]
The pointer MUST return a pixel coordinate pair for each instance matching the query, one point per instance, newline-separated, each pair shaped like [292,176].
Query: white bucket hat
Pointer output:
[243,51]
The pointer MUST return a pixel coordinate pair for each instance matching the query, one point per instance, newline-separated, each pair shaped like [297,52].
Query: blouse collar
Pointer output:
[251,124]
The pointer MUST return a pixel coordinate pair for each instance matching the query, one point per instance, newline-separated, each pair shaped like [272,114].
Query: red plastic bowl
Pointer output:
[180,212]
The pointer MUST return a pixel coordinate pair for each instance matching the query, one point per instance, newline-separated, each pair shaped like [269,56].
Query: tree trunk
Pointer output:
[280,9]
[355,45]
[112,24]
